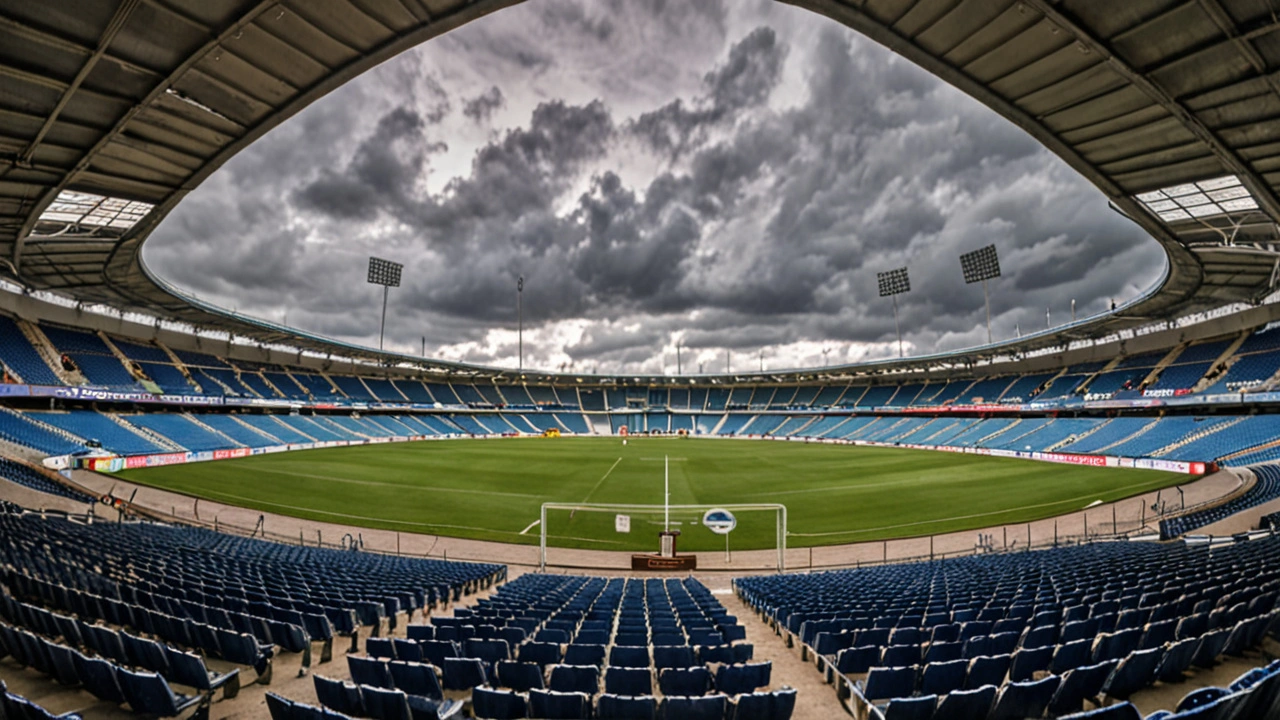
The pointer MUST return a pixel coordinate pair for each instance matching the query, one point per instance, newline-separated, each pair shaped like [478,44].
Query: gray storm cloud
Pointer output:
[735,189]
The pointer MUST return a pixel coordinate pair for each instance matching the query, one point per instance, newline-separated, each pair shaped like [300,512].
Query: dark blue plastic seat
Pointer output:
[519,676]
[944,677]
[628,681]
[584,655]
[498,704]
[416,679]
[559,706]
[149,694]
[575,678]
[464,673]
[972,704]
[884,683]
[685,681]
[537,652]
[739,679]
[1133,673]
[776,705]
[673,657]
[1029,699]
[913,708]
[370,671]
[709,707]
[616,707]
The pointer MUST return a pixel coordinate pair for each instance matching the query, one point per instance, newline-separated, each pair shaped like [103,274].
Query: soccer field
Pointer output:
[493,489]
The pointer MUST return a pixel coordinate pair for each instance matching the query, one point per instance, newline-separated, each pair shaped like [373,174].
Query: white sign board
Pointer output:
[622,523]
[719,521]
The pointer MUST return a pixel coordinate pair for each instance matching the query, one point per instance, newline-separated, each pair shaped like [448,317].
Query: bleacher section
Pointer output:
[1028,631]
[1265,489]
[564,646]
[117,607]
[95,360]
[17,354]
[23,475]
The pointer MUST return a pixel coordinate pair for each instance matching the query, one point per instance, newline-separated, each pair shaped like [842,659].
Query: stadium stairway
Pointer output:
[1071,439]
[194,418]
[45,348]
[1165,362]
[1219,366]
[1132,436]
[1212,430]
[149,434]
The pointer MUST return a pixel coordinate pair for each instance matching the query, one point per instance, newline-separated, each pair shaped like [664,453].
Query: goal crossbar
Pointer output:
[780,524]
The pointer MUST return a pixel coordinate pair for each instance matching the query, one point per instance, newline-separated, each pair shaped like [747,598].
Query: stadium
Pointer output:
[206,513]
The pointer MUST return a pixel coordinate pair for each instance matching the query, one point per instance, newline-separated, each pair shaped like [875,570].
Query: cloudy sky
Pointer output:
[725,176]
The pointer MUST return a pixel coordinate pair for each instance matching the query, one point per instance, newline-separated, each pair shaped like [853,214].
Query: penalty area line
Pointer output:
[532,525]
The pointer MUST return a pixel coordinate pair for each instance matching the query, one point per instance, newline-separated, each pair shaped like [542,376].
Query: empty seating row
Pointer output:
[147,693]
[1265,489]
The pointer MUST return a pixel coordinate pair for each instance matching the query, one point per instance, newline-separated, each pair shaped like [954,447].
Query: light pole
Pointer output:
[387,274]
[893,283]
[677,357]
[981,265]
[520,322]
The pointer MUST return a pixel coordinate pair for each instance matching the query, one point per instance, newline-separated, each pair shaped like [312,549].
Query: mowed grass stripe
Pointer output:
[492,489]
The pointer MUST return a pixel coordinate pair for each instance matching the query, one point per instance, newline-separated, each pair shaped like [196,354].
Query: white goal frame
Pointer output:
[780,520]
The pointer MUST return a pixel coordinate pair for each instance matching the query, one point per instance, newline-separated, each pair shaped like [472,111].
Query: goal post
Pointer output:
[660,516]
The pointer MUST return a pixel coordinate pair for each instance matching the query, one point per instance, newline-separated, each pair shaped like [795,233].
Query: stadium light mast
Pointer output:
[981,265]
[677,357]
[892,284]
[520,323]
[387,274]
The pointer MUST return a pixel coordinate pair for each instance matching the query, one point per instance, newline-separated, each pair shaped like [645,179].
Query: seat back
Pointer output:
[575,678]
[519,676]
[147,693]
[684,681]
[384,704]
[617,707]
[884,683]
[972,704]
[584,655]
[628,681]
[915,708]
[464,673]
[416,679]
[559,706]
[1028,699]
[497,704]
[630,657]
[709,707]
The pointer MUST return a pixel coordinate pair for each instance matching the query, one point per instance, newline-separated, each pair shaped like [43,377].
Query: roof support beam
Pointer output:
[108,35]
[1261,190]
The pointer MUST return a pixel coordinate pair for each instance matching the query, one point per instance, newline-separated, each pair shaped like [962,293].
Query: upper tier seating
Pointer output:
[18,355]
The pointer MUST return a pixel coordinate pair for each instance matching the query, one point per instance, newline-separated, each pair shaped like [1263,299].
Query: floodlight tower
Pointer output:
[387,274]
[520,322]
[981,265]
[892,284]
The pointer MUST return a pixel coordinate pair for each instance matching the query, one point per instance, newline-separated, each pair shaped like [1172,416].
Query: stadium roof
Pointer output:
[111,113]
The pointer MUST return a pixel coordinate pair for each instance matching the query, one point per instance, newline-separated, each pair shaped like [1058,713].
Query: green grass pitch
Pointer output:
[493,489]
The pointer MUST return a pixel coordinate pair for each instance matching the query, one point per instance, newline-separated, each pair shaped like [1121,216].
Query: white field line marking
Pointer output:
[602,479]
[532,525]
[662,459]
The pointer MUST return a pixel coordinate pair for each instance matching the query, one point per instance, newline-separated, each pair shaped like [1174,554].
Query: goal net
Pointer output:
[635,528]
